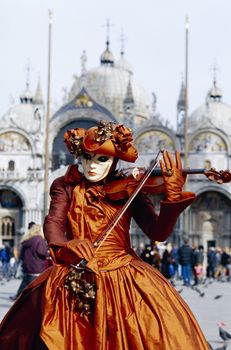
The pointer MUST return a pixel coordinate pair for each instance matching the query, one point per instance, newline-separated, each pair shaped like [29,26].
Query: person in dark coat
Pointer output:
[211,262]
[175,261]
[5,255]
[225,261]
[34,253]
[166,262]
[185,259]
[198,259]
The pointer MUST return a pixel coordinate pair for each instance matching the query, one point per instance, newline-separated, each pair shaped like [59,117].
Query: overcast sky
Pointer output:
[155,45]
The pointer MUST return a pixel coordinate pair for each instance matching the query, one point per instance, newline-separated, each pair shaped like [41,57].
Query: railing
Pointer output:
[35,174]
[19,175]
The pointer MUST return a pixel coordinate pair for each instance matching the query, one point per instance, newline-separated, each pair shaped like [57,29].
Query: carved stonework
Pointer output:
[211,201]
[83,101]
[14,142]
[153,141]
[208,142]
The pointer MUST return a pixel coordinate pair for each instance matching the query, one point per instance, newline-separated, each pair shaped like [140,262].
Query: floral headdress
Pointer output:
[74,141]
[106,138]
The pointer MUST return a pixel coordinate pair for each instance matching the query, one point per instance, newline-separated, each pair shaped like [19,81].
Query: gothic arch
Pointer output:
[151,140]
[209,219]
[208,141]
[60,154]
[11,215]
[22,137]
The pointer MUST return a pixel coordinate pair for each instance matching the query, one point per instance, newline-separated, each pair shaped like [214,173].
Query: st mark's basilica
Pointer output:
[110,92]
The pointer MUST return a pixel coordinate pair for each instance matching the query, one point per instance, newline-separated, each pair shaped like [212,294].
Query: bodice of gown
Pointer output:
[90,215]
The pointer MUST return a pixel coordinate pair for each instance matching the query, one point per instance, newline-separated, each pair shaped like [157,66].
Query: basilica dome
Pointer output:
[214,113]
[108,84]
[25,115]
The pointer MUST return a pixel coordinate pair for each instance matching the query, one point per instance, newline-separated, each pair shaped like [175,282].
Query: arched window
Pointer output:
[11,165]
[8,227]
[207,164]
[3,229]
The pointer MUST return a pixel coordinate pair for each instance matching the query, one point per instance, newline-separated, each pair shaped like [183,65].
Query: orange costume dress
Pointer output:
[136,307]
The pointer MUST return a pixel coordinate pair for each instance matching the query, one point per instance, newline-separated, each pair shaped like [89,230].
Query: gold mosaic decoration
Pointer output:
[83,101]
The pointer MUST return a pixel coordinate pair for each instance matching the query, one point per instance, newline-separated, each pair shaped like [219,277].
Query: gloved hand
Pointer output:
[72,252]
[172,176]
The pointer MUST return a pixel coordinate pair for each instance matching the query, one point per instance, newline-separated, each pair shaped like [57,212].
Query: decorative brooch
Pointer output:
[81,287]
[104,131]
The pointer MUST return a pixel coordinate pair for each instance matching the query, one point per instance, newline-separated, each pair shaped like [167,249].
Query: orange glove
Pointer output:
[172,176]
[72,252]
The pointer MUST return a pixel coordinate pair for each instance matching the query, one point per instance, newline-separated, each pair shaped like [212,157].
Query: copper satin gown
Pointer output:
[136,307]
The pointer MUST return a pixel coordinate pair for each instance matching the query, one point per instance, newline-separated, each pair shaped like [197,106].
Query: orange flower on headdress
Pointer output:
[104,131]
[74,140]
[122,138]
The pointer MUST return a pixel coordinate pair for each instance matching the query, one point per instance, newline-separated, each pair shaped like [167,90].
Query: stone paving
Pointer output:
[210,303]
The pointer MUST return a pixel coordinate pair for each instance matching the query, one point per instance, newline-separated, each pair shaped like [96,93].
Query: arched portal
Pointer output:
[10,216]
[210,221]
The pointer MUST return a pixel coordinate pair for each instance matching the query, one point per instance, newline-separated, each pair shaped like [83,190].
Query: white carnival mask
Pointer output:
[96,166]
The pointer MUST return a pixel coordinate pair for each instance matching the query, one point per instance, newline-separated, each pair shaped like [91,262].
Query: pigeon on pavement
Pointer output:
[224,334]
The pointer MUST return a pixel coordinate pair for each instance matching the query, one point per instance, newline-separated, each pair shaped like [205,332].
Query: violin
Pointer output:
[127,180]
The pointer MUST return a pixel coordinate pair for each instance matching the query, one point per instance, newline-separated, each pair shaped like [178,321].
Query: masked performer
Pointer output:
[117,301]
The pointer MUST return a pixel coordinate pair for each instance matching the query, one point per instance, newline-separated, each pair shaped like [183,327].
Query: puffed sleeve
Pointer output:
[159,227]
[56,221]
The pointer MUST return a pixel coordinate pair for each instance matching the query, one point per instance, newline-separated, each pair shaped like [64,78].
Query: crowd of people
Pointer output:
[191,264]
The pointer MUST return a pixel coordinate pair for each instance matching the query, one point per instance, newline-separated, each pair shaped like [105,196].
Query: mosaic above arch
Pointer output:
[154,140]
[208,142]
[13,141]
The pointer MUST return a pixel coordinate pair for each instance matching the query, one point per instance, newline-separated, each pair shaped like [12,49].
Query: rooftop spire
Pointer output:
[38,98]
[215,93]
[26,96]
[83,59]
[122,40]
[154,101]
[129,99]
[28,75]
[181,99]
[215,69]
[107,57]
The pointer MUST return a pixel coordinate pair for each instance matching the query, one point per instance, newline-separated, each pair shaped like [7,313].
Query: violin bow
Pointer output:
[114,222]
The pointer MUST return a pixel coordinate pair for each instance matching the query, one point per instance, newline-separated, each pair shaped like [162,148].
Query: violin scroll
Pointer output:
[220,177]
